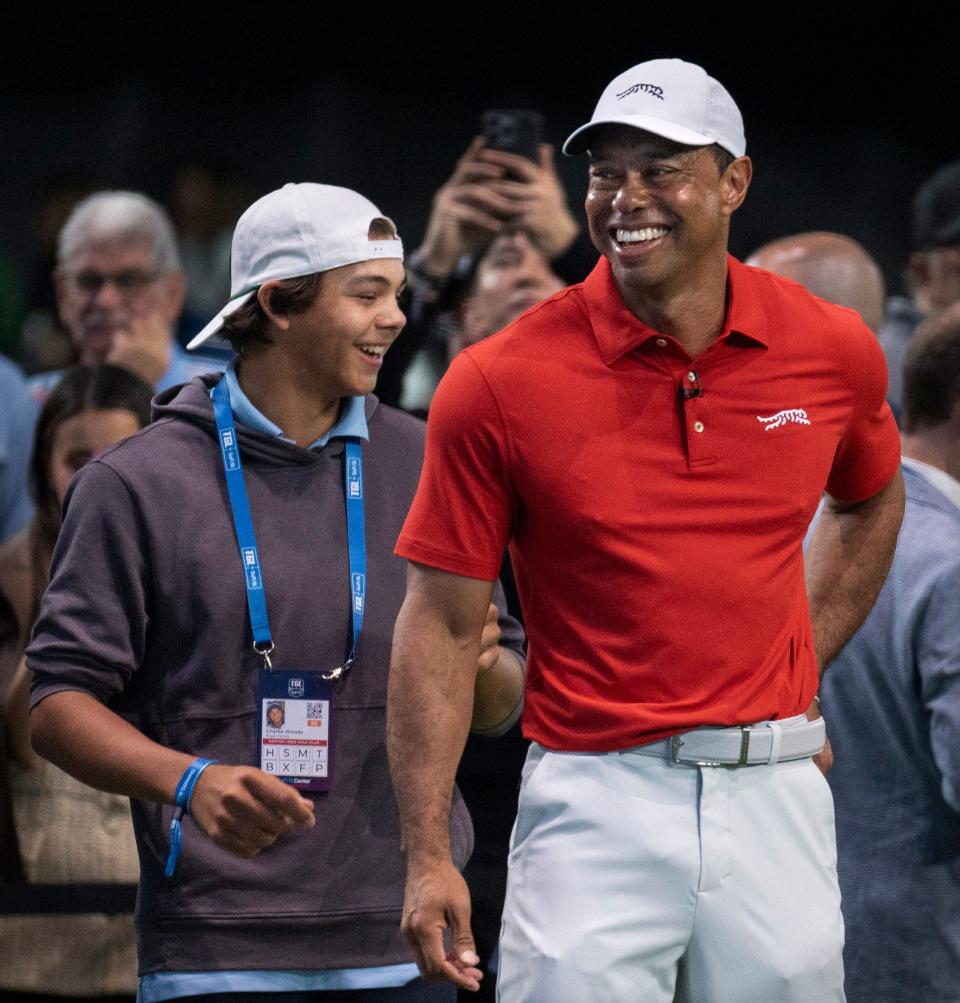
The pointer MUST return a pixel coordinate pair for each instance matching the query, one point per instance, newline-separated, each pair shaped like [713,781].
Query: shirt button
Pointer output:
[692,376]
[662,342]
[698,426]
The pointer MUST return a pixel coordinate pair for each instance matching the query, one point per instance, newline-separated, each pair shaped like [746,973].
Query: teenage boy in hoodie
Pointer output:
[237,555]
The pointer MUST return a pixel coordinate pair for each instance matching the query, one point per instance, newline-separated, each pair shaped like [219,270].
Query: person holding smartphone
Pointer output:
[505,183]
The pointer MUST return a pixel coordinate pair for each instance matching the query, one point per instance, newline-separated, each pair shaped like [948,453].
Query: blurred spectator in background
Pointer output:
[204,206]
[838,269]
[17,415]
[491,194]
[834,267]
[933,269]
[66,925]
[510,276]
[892,704]
[120,289]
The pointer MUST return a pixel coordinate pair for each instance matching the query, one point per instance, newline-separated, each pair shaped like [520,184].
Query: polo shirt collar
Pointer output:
[618,331]
[352,422]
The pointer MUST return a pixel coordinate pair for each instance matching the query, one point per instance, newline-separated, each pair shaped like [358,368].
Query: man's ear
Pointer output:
[265,299]
[735,182]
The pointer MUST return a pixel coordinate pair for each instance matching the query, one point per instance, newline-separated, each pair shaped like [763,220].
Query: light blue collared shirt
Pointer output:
[351,423]
[891,700]
[158,986]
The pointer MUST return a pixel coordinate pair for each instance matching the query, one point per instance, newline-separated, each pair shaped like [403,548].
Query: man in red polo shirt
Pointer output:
[652,443]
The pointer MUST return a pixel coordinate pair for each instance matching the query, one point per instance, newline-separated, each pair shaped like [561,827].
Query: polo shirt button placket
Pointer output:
[698,450]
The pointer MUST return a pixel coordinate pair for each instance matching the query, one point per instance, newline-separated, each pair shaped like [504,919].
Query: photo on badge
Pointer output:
[276,714]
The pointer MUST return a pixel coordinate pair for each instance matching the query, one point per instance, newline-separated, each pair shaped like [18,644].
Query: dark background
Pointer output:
[847,107]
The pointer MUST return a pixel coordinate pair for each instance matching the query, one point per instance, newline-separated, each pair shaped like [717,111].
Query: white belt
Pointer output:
[749,745]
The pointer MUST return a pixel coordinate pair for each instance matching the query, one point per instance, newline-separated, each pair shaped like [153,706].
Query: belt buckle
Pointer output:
[744,744]
[678,759]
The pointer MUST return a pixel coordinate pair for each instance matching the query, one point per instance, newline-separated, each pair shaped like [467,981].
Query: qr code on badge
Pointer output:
[314,709]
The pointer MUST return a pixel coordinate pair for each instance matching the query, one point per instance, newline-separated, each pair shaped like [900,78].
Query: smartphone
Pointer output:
[516,130]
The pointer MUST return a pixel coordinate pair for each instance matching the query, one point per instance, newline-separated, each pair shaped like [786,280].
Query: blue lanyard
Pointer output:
[246,540]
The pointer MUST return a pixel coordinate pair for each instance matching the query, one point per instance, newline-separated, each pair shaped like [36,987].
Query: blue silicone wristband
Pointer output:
[182,796]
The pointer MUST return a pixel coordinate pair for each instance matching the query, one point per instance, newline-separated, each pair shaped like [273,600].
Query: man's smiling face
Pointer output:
[656,209]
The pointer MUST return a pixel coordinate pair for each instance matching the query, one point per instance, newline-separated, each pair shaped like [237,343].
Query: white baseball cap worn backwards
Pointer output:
[670,98]
[298,230]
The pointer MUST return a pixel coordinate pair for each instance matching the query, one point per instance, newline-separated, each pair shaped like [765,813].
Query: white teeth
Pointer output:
[375,350]
[637,236]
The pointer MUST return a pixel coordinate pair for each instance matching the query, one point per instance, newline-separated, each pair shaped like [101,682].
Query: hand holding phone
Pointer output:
[469,210]
[505,180]
[513,142]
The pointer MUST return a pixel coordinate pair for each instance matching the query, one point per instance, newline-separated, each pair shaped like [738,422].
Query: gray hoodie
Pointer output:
[146,611]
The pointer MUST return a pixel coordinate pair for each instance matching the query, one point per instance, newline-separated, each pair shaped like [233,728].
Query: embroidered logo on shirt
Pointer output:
[651,89]
[797,415]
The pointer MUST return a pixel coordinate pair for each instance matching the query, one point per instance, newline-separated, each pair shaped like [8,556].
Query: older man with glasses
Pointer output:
[120,290]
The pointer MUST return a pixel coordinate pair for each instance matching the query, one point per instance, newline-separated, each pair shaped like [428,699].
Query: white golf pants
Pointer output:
[632,879]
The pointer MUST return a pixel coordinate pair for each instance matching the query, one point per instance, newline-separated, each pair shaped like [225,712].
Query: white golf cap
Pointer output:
[298,230]
[670,98]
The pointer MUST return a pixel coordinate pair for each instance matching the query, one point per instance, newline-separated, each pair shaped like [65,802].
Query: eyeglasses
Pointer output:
[128,283]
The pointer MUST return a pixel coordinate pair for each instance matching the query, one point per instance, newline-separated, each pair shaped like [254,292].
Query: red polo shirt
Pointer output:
[655,505]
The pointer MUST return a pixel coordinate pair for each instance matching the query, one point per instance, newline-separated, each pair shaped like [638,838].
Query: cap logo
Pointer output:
[652,89]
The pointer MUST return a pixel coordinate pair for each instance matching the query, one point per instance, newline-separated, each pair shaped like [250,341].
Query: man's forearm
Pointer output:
[436,644]
[429,707]
[847,560]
